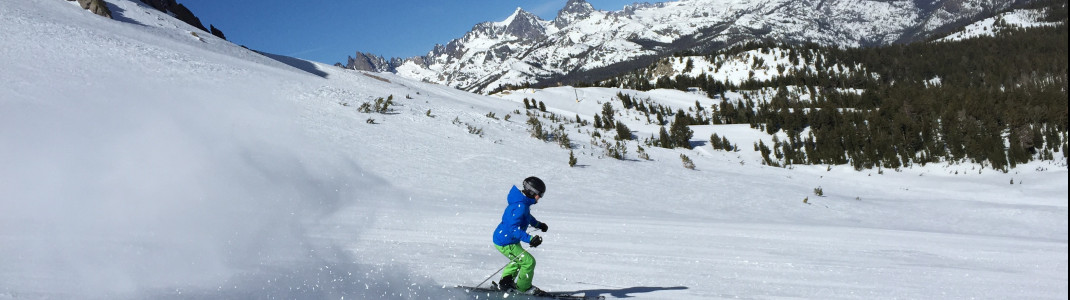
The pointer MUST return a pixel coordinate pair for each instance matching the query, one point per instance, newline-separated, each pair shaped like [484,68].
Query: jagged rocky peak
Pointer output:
[524,25]
[574,10]
[370,62]
[517,24]
[523,49]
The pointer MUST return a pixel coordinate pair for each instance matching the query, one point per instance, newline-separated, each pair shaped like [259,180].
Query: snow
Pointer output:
[602,39]
[739,67]
[1019,18]
[509,20]
[140,162]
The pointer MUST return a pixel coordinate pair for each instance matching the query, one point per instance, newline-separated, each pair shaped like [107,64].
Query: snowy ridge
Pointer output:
[524,49]
[1018,18]
[759,64]
[140,161]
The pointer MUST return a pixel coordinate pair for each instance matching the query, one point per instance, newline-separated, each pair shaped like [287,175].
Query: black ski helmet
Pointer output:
[533,186]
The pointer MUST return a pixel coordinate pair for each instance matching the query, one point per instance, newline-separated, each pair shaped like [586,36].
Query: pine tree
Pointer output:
[680,132]
[623,133]
[664,140]
[607,114]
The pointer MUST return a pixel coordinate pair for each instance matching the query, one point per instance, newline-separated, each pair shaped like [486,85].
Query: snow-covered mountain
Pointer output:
[142,158]
[582,43]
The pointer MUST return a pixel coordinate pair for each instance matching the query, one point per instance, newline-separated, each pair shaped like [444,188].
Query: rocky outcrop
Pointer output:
[525,26]
[574,10]
[182,13]
[216,32]
[370,62]
[96,7]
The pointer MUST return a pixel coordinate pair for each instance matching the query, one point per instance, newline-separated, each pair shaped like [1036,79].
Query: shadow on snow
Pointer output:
[626,292]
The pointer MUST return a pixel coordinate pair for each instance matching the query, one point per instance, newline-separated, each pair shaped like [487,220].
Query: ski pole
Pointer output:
[496,272]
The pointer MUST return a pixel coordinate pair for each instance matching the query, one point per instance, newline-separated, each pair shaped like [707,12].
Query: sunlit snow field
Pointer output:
[141,161]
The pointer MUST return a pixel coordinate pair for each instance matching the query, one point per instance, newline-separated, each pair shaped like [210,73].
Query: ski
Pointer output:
[493,290]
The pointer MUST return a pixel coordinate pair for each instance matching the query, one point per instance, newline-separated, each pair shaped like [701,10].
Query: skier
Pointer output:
[512,230]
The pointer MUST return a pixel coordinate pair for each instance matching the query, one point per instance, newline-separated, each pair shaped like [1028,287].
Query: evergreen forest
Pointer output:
[996,100]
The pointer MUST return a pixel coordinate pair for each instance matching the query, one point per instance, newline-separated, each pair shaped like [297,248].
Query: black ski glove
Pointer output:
[535,241]
[543,227]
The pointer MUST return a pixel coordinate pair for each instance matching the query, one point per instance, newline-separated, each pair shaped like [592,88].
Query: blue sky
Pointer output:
[329,31]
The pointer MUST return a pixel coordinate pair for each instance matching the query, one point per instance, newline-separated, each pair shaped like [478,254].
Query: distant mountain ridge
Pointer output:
[585,44]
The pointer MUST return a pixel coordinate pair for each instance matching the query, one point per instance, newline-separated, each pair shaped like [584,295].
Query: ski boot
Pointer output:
[534,291]
[506,283]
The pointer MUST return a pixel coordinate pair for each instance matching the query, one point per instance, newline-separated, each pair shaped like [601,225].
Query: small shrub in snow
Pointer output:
[471,129]
[571,159]
[687,162]
[535,127]
[819,192]
[562,139]
[582,122]
[381,106]
[474,130]
[615,150]
[642,153]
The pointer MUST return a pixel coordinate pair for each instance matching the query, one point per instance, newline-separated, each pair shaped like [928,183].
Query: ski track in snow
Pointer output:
[141,161]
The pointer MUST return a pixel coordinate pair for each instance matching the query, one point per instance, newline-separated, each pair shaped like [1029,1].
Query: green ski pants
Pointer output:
[521,266]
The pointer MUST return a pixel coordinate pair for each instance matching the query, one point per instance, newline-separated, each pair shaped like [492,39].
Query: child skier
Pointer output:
[512,230]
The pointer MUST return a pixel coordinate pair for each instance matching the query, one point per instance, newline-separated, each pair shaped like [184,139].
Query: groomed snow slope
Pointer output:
[138,160]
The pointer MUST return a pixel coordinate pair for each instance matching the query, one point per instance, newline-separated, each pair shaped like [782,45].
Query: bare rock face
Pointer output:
[96,7]
[574,10]
[369,62]
[182,13]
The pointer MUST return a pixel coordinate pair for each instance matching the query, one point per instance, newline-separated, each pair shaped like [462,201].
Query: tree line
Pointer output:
[998,100]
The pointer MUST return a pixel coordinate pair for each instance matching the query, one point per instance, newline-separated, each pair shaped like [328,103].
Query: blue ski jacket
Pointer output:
[515,220]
